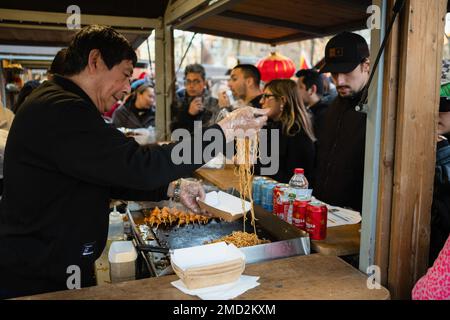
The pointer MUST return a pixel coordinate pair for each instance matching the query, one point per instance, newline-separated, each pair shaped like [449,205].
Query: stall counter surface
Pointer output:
[322,278]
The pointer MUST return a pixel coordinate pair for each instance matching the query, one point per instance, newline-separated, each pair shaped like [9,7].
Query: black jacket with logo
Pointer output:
[63,164]
[339,175]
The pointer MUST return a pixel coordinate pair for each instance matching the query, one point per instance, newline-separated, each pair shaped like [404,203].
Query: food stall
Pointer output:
[395,206]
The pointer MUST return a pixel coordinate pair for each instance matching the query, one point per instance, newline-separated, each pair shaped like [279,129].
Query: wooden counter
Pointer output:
[340,241]
[224,179]
[297,278]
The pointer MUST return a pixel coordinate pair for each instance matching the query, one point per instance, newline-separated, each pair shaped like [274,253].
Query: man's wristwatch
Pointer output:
[177,190]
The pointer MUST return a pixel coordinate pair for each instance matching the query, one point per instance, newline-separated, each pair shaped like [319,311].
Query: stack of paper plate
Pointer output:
[208,265]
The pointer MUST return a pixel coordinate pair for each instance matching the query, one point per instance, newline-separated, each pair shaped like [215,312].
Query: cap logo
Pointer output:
[336,52]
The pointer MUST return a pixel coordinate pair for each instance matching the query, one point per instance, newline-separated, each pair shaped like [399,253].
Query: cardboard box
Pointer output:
[223,205]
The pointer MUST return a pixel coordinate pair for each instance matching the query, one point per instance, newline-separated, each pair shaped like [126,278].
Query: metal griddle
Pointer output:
[286,240]
[195,235]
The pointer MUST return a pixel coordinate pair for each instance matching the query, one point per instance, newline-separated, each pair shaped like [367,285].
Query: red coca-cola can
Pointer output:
[276,193]
[316,220]
[279,195]
[299,216]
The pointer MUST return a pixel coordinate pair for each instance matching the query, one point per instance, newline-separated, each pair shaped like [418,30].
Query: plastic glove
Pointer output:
[243,122]
[142,136]
[189,192]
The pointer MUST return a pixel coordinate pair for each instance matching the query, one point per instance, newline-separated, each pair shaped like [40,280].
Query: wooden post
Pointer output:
[164,78]
[415,145]
[170,76]
[386,172]
[160,83]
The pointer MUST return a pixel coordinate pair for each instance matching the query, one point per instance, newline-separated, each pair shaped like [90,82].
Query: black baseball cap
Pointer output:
[344,52]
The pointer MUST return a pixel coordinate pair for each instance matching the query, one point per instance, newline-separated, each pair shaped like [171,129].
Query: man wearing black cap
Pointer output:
[341,141]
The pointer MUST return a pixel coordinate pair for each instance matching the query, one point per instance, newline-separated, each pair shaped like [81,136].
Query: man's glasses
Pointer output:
[194,82]
[265,96]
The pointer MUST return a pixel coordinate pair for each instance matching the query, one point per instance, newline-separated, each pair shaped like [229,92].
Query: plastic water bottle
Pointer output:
[298,186]
[230,97]
[298,180]
[116,228]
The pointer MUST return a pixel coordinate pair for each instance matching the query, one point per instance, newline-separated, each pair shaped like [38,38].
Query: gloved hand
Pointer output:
[189,192]
[142,136]
[243,122]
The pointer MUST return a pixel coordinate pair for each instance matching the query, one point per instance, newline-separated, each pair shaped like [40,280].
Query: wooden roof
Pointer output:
[279,21]
[43,22]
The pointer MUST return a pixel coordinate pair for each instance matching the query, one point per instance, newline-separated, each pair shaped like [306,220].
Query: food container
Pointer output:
[214,264]
[122,261]
[225,206]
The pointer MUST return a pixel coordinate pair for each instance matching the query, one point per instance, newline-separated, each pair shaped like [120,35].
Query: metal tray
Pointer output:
[286,240]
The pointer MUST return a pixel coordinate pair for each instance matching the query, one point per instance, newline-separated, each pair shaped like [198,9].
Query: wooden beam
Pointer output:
[349,4]
[415,149]
[170,77]
[54,27]
[160,83]
[213,9]
[386,174]
[300,36]
[177,10]
[348,26]
[372,148]
[231,35]
[165,75]
[312,30]
[24,16]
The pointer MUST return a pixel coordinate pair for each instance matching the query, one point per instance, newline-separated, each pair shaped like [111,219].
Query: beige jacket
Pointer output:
[6,118]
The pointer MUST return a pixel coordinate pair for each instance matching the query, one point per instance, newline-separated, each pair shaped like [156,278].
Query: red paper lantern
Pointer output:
[276,66]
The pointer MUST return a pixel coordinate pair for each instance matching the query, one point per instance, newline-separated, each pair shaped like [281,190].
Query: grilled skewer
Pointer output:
[169,216]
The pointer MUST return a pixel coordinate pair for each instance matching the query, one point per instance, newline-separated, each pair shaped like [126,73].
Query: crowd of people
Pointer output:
[57,125]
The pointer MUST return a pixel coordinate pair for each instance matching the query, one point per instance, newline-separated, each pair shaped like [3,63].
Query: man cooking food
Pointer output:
[63,164]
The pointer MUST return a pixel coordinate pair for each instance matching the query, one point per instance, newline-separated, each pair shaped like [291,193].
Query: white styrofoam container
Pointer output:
[223,205]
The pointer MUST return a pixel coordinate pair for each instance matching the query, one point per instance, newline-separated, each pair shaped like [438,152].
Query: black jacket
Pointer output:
[63,164]
[440,210]
[296,151]
[339,174]
[127,116]
[318,111]
[255,102]
[184,120]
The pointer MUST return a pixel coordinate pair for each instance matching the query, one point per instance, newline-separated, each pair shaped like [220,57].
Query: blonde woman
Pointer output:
[288,115]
